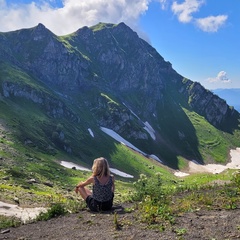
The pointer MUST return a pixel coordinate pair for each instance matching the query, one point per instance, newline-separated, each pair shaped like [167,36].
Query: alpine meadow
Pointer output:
[103,91]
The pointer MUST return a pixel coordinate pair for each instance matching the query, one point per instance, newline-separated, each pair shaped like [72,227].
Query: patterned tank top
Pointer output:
[102,193]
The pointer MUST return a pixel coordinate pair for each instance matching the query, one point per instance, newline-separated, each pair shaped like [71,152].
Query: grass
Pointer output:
[6,222]
[160,204]
[155,204]
[34,141]
[14,75]
[31,121]
[101,26]
[160,197]
[213,144]
[55,210]
[136,163]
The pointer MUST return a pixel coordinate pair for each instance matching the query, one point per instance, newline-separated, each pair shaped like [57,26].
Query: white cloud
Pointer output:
[185,10]
[73,15]
[2,3]
[211,23]
[220,78]
[163,3]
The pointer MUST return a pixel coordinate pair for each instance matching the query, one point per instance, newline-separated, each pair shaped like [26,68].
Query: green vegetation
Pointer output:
[213,144]
[40,126]
[160,203]
[155,192]
[101,26]
[54,211]
[157,195]
[6,222]
[109,100]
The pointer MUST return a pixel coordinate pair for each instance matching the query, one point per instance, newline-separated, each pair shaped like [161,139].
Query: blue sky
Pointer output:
[201,38]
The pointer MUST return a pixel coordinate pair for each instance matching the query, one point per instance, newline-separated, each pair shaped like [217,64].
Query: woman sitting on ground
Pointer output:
[101,197]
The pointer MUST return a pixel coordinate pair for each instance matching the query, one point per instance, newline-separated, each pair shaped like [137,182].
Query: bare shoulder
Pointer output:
[90,179]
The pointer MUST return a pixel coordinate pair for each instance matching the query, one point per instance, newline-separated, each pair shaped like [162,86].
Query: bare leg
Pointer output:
[84,192]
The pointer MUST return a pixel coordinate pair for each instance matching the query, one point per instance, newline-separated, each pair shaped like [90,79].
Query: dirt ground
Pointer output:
[203,225]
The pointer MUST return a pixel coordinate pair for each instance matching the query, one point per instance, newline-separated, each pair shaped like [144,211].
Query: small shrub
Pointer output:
[55,210]
[117,225]
[236,179]
[16,173]
[151,187]
[181,231]
[154,203]
[6,222]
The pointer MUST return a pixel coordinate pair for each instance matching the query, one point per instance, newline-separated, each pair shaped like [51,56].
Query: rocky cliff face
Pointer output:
[112,58]
[109,72]
[53,106]
[206,103]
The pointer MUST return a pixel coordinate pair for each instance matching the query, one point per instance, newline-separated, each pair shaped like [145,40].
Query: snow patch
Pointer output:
[120,139]
[195,167]
[120,173]
[131,111]
[73,165]
[155,158]
[91,132]
[181,174]
[78,167]
[24,214]
[150,130]
[147,127]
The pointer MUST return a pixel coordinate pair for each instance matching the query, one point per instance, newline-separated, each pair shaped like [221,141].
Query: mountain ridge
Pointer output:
[106,76]
[231,95]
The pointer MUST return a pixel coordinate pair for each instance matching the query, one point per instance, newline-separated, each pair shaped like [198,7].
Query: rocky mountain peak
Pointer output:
[40,32]
[40,27]
[107,76]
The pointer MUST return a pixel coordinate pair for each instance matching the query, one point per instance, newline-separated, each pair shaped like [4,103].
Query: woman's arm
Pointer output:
[84,191]
[85,183]
[113,186]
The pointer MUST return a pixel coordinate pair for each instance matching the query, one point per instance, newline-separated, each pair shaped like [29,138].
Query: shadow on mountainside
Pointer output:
[122,224]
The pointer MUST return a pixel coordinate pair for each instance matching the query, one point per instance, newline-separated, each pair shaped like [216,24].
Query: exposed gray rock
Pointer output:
[206,103]
[105,76]
[54,107]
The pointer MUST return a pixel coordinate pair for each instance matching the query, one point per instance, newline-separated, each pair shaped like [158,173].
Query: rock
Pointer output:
[48,184]
[6,178]
[121,81]
[5,231]
[32,180]
[16,200]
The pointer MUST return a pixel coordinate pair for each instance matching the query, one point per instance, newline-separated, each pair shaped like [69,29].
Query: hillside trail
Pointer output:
[121,224]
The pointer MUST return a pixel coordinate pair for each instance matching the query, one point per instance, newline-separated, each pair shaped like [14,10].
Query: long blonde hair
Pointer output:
[100,167]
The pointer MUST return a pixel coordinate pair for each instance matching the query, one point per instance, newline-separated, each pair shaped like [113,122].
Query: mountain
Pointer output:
[232,96]
[59,93]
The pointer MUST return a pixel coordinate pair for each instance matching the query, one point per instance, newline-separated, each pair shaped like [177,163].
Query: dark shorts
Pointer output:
[97,206]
